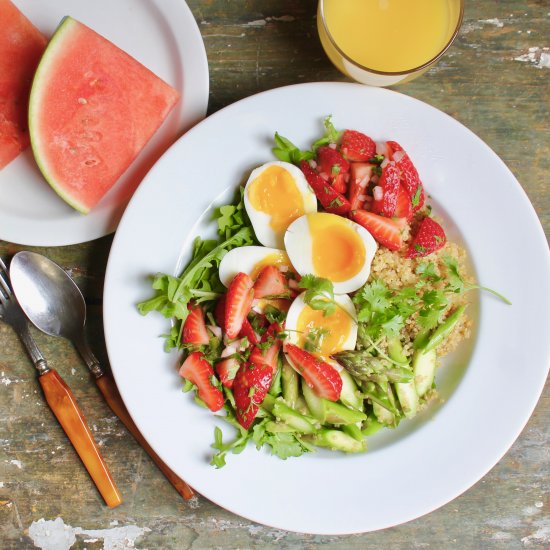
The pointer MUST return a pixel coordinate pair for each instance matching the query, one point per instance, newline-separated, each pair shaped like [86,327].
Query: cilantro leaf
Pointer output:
[319,293]
[332,135]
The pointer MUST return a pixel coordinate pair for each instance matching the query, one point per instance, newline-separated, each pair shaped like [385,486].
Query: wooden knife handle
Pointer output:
[64,406]
[110,392]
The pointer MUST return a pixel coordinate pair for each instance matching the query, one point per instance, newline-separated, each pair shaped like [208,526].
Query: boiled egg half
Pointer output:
[275,195]
[322,334]
[331,247]
[251,260]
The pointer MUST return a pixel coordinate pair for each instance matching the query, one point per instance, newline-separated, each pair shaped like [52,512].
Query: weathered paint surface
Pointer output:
[495,80]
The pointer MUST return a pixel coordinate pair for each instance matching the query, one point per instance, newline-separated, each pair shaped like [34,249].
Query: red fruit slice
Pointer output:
[320,376]
[21,45]
[271,282]
[390,182]
[237,304]
[429,238]
[92,109]
[247,331]
[249,390]
[199,371]
[357,146]
[226,369]
[409,175]
[403,208]
[331,200]
[361,173]
[333,166]
[194,328]
[384,230]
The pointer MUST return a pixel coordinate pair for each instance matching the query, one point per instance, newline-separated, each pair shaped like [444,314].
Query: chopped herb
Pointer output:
[314,339]
[377,159]
[415,201]
[377,170]
[335,202]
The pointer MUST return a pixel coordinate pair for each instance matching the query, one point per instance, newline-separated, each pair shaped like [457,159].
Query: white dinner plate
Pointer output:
[163,36]
[488,390]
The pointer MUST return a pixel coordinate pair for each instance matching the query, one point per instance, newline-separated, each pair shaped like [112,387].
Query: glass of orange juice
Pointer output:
[386,42]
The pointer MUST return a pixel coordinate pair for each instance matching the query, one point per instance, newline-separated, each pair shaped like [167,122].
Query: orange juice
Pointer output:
[387,36]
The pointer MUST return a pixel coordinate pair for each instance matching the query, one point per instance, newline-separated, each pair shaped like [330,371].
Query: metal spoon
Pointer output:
[55,305]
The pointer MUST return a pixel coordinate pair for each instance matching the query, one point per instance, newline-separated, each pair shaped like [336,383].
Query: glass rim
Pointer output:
[393,73]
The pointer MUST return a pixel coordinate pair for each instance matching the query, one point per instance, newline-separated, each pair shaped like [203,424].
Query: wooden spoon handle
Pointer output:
[64,406]
[110,392]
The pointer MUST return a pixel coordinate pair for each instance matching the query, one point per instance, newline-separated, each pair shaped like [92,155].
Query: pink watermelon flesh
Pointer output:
[21,45]
[92,110]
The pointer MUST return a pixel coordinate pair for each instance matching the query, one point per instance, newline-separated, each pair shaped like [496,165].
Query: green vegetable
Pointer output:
[319,293]
[444,329]
[290,382]
[424,366]
[337,441]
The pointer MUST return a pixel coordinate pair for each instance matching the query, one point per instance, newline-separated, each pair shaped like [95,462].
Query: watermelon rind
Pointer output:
[47,58]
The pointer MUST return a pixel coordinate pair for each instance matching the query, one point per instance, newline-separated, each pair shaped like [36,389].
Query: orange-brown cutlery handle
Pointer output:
[109,390]
[64,406]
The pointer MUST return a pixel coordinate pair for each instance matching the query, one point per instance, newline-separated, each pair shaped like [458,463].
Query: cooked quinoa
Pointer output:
[397,271]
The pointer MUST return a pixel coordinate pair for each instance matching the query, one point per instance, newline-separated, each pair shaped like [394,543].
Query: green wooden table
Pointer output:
[495,80]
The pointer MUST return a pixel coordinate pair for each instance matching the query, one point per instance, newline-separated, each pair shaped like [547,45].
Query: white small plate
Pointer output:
[163,36]
[489,391]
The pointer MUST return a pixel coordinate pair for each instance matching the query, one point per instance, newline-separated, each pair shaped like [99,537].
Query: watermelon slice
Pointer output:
[92,109]
[21,45]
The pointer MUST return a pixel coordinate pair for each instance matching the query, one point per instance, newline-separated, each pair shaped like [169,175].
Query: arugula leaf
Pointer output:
[286,151]
[332,135]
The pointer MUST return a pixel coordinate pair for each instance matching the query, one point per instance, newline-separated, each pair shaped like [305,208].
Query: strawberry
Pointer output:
[429,238]
[409,175]
[237,304]
[271,282]
[332,166]
[331,200]
[403,208]
[248,332]
[219,311]
[392,147]
[385,230]
[199,371]
[390,184]
[357,146]
[249,390]
[339,183]
[194,328]
[226,369]
[322,377]
[361,173]
[267,353]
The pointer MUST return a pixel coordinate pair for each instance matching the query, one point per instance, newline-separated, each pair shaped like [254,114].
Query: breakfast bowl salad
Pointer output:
[321,312]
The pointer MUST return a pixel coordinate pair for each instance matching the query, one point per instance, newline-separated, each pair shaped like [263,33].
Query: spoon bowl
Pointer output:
[48,295]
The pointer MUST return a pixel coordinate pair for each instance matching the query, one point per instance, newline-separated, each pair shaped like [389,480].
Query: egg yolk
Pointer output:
[274,192]
[278,259]
[330,332]
[338,252]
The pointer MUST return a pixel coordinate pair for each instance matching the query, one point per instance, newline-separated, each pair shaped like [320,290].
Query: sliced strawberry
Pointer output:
[385,230]
[331,162]
[392,147]
[250,387]
[226,369]
[403,208]
[390,182]
[331,200]
[322,377]
[219,311]
[339,183]
[238,303]
[267,353]
[271,282]
[429,238]
[199,371]
[409,175]
[194,328]
[361,173]
[357,146]
[247,331]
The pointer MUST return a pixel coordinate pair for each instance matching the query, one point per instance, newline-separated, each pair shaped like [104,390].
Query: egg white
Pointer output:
[298,245]
[261,220]
[298,305]
[243,259]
